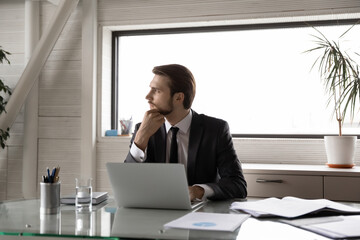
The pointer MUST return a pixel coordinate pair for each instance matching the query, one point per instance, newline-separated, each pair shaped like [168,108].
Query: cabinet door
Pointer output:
[270,185]
[342,188]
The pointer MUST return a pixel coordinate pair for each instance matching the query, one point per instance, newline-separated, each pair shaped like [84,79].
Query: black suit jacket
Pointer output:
[212,159]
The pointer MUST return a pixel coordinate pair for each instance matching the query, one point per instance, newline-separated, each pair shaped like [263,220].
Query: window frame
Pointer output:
[115,54]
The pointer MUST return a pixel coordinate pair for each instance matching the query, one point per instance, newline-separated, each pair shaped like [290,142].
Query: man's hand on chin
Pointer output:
[152,121]
[196,192]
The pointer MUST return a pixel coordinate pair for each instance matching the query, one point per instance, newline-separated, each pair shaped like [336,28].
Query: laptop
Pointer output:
[150,185]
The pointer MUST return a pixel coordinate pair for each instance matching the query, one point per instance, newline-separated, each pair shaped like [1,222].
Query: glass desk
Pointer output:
[23,218]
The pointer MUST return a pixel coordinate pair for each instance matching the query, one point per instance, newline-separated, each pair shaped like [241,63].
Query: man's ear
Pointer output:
[179,97]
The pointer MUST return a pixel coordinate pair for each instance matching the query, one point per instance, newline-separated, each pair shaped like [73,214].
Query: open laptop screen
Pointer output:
[149,185]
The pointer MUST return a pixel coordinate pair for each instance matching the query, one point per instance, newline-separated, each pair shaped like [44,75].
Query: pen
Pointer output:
[57,171]
[53,174]
[56,176]
[48,173]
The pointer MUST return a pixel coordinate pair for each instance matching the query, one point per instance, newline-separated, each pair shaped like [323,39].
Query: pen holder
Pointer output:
[126,127]
[50,223]
[49,198]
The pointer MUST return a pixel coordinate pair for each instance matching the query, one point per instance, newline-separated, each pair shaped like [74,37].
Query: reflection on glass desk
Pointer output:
[107,221]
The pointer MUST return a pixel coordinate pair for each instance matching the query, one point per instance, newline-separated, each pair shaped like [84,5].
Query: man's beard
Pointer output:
[167,111]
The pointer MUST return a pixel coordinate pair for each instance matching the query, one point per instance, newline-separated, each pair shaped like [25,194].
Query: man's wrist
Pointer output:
[208,191]
[141,141]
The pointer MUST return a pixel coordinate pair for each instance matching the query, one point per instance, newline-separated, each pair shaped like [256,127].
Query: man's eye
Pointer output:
[154,90]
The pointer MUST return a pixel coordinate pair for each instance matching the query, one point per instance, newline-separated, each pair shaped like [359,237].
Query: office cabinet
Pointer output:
[342,188]
[271,185]
[305,181]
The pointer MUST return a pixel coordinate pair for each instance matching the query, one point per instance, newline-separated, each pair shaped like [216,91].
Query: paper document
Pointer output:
[333,227]
[291,207]
[208,221]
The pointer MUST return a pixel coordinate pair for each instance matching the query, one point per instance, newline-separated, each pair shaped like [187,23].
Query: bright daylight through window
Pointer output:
[260,81]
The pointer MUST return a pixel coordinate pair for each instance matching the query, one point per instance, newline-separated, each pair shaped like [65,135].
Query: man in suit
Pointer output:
[204,144]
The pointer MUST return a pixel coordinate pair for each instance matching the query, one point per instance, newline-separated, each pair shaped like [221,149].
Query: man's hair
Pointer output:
[181,80]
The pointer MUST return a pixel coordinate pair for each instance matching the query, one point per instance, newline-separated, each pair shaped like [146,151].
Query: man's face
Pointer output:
[159,96]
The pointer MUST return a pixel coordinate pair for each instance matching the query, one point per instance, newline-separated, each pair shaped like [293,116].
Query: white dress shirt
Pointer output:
[183,145]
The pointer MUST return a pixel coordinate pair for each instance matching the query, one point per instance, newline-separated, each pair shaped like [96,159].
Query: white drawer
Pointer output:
[342,188]
[270,185]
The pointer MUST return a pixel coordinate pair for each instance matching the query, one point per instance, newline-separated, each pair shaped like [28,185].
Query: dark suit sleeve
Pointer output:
[129,158]
[232,183]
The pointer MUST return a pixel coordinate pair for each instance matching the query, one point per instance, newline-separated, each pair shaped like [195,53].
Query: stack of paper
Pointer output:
[291,207]
[97,197]
[209,221]
[334,227]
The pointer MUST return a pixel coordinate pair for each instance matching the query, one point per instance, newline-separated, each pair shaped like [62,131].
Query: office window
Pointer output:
[259,79]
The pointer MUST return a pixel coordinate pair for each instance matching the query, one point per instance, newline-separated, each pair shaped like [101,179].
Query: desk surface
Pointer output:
[106,221]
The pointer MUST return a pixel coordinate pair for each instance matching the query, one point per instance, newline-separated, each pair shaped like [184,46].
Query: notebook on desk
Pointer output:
[150,185]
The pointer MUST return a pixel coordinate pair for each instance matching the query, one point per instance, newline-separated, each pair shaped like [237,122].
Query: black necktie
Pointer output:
[174,148]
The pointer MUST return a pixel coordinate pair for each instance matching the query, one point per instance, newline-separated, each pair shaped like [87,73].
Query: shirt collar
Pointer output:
[183,125]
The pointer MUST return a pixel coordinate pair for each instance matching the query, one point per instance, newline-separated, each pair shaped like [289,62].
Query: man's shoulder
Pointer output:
[212,126]
[206,119]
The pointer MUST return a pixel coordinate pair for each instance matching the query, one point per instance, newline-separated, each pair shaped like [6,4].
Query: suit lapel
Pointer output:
[196,132]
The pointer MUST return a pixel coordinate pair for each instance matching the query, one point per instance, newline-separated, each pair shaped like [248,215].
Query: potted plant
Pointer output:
[340,76]
[4,90]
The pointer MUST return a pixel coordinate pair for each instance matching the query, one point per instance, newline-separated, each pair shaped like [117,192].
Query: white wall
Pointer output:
[12,40]
[114,12]
[60,101]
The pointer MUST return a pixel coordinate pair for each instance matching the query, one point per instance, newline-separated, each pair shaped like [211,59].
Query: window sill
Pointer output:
[118,138]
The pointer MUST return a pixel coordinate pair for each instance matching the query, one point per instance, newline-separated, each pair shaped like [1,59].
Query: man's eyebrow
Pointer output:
[154,88]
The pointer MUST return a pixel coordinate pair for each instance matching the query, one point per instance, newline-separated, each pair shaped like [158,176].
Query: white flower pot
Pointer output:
[340,151]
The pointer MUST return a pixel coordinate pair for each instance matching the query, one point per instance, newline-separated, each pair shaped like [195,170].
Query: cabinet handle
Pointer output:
[259,180]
